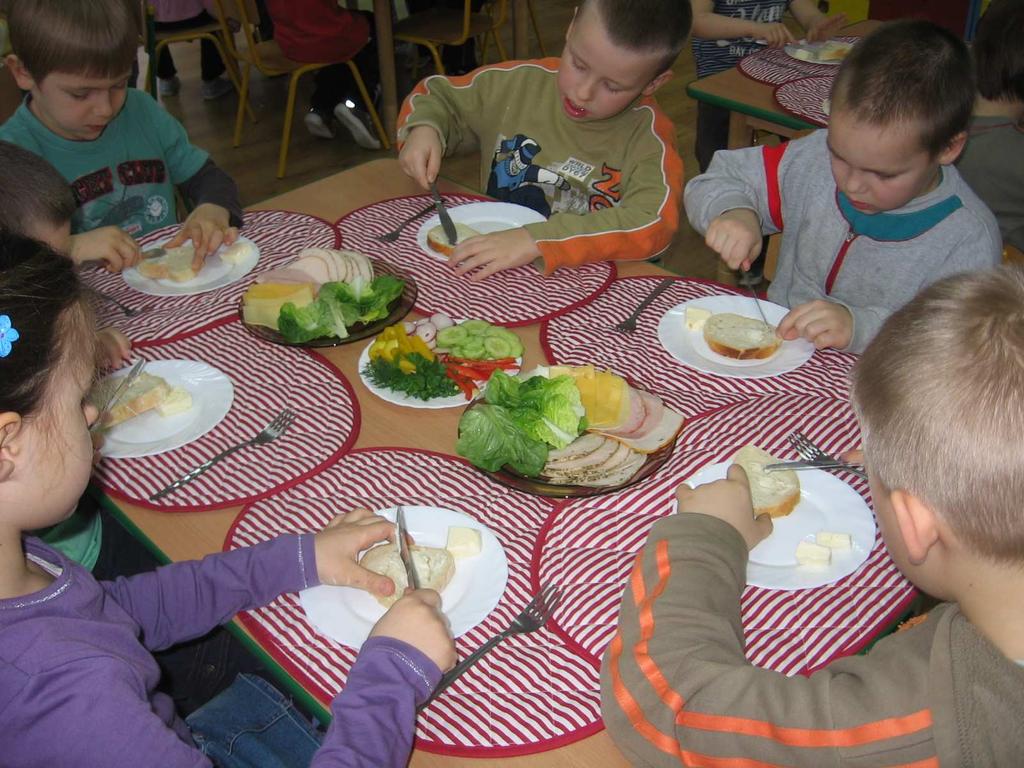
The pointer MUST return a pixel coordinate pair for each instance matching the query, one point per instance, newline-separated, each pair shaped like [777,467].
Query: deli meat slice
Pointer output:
[661,434]
[285,275]
[637,412]
[585,456]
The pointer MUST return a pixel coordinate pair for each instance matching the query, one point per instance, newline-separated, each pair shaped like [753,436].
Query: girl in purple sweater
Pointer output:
[77,680]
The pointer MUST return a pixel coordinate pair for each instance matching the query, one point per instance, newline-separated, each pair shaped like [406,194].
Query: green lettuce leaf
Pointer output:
[490,439]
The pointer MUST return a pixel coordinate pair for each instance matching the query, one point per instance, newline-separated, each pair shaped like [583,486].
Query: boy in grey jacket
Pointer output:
[940,398]
[871,210]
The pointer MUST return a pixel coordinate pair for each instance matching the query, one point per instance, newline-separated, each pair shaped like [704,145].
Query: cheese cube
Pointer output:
[178,401]
[696,317]
[809,553]
[463,542]
[833,540]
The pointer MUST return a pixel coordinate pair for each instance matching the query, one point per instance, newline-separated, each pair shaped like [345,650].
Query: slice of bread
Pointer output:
[739,337]
[438,240]
[435,568]
[175,264]
[773,493]
[143,394]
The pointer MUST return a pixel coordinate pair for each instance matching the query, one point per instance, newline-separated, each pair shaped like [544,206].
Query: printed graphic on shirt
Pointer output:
[576,169]
[514,177]
[133,196]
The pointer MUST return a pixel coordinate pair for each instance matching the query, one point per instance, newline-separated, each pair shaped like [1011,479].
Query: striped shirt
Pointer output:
[718,55]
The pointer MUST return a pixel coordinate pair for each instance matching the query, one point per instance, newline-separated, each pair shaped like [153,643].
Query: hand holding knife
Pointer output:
[442,212]
[403,548]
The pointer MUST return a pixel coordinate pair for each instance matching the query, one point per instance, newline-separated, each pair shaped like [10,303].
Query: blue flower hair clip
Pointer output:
[8,335]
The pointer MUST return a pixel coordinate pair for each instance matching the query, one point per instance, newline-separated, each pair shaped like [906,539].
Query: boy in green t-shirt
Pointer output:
[121,153]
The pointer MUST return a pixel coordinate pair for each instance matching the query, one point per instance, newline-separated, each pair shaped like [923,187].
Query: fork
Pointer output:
[392,236]
[534,616]
[629,324]
[128,311]
[277,427]
[810,452]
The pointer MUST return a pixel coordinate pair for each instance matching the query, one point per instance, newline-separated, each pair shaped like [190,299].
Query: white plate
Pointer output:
[347,614]
[214,274]
[826,504]
[212,394]
[483,217]
[400,398]
[809,52]
[689,347]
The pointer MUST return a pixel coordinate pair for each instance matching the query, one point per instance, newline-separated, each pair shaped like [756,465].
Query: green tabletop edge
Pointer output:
[780,118]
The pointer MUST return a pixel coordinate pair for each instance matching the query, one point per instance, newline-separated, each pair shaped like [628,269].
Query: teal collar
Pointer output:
[896,226]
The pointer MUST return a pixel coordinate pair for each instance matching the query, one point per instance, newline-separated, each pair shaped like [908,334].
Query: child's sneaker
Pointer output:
[319,124]
[357,122]
[168,86]
[214,89]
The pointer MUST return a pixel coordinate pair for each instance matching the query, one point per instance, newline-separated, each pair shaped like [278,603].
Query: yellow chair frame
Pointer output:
[267,57]
[438,27]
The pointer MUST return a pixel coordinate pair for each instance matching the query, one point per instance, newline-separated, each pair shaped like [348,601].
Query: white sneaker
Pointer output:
[356,120]
[214,89]
[168,86]
[317,125]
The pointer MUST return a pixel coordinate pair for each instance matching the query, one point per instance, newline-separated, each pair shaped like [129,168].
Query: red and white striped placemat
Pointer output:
[589,547]
[530,694]
[267,378]
[805,98]
[512,297]
[774,66]
[280,235]
[587,335]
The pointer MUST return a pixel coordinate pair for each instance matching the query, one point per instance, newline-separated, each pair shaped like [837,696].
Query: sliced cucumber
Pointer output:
[450,336]
[474,327]
[497,346]
[473,349]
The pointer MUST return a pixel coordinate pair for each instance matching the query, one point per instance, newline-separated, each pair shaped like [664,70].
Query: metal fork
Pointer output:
[534,616]
[629,324]
[810,452]
[392,236]
[268,434]
[128,311]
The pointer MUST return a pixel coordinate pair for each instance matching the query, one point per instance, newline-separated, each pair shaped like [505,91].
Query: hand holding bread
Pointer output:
[823,323]
[338,546]
[736,237]
[417,619]
[421,155]
[484,255]
[208,227]
[728,500]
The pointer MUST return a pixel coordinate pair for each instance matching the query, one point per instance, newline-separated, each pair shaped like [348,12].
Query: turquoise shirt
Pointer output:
[126,177]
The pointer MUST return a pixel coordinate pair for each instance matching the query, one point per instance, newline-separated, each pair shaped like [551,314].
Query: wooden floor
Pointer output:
[253,164]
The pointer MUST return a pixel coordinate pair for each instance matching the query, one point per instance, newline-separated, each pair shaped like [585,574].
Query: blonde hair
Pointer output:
[940,396]
[97,38]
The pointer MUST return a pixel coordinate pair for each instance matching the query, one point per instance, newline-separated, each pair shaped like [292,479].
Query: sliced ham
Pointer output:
[663,433]
[323,265]
[284,275]
[589,453]
[654,409]
[637,411]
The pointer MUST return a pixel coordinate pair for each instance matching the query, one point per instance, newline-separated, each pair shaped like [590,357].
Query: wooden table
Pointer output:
[386,55]
[193,535]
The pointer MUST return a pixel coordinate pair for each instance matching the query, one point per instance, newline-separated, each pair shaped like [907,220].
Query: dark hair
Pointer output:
[999,51]
[31,191]
[646,25]
[98,38]
[909,71]
[41,295]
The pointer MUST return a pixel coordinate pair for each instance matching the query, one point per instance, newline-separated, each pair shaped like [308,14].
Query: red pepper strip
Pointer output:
[503,362]
[468,371]
[467,386]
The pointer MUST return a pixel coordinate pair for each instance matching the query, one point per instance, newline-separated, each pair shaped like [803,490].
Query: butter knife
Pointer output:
[442,212]
[816,464]
[403,549]
[744,280]
[126,381]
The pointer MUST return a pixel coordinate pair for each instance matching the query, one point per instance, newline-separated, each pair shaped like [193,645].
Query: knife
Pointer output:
[403,549]
[817,464]
[442,212]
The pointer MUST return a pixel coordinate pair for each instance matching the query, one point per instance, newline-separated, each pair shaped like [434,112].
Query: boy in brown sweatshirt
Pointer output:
[940,397]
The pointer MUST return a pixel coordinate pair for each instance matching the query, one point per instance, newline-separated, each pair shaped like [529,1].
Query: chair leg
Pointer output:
[243,99]
[377,124]
[536,28]
[499,45]
[230,69]
[439,67]
[289,113]
[482,41]
[151,69]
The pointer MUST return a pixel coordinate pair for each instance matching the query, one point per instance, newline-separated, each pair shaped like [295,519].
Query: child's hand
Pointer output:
[824,323]
[825,27]
[487,254]
[776,35]
[421,155]
[417,620]
[208,227]
[736,237]
[338,546]
[112,348]
[728,500]
[111,245]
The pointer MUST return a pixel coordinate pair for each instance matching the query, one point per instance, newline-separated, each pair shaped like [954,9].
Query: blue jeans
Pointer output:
[253,725]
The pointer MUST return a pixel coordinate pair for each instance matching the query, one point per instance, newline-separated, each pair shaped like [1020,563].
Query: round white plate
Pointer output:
[826,504]
[689,347]
[214,274]
[347,614]
[149,433]
[400,398]
[808,52]
[483,217]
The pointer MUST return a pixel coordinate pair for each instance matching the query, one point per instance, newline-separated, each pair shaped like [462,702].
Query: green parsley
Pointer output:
[428,382]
